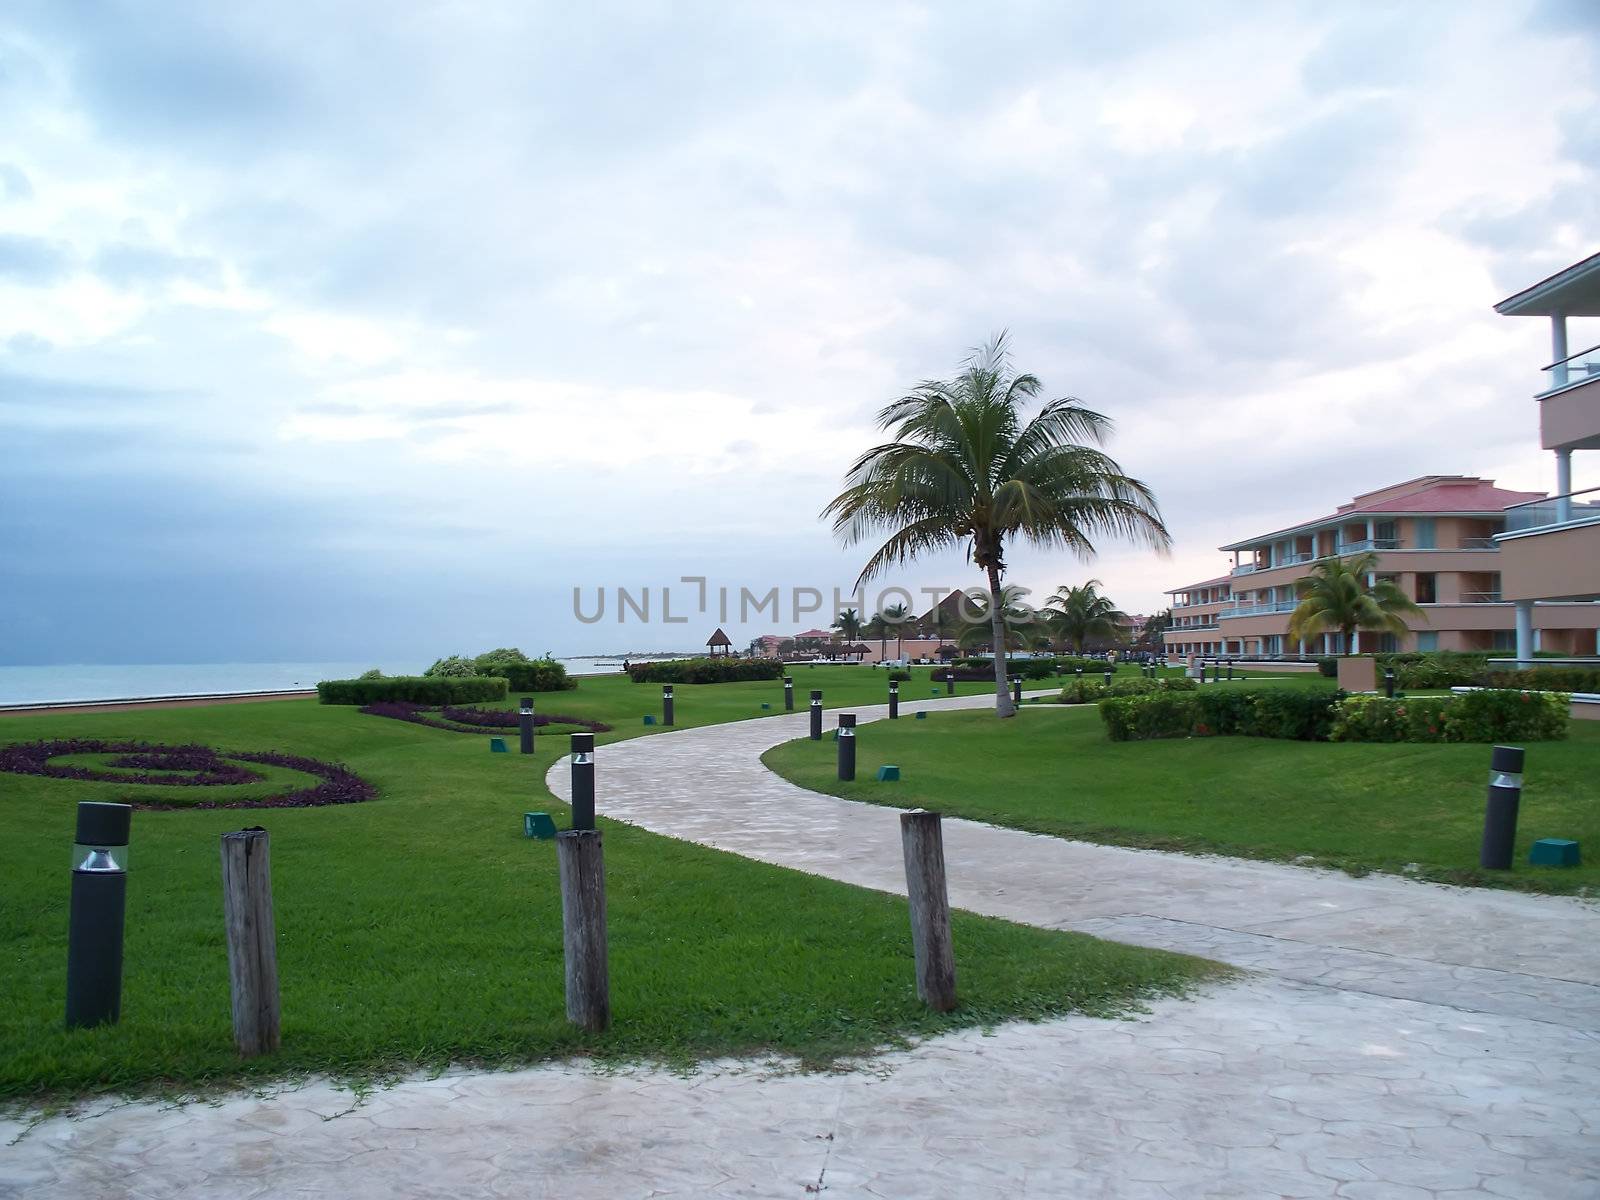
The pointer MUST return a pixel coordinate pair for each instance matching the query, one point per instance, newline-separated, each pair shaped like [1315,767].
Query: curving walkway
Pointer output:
[1471,948]
[1397,1041]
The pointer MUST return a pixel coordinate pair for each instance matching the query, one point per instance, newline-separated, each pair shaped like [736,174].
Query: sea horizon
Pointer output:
[62,683]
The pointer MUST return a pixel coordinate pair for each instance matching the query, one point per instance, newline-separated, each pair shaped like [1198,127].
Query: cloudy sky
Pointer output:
[373,330]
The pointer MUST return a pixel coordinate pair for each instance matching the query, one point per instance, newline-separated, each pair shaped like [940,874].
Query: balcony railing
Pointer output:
[1554,510]
[1364,545]
[1481,598]
[1245,569]
[1487,543]
[1191,628]
[1572,370]
[1260,608]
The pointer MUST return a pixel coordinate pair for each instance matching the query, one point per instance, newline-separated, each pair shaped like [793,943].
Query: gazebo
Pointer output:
[719,643]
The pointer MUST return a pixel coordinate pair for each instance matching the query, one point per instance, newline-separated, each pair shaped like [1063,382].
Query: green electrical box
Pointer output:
[497,746]
[538,825]
[1554,852]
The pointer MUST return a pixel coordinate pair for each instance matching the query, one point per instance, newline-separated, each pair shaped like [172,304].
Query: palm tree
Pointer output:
[849,625]
[896,615]
[1019,621]
[964,469]
[1080,613]
[1336,598]
[878,628]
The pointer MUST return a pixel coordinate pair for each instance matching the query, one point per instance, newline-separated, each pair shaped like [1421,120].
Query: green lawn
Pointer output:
[421,929]
[1357,807]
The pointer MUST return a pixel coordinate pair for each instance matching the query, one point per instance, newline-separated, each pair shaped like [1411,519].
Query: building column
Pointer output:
[1372,532]
[1558,349]
[1524,631]
[1355,641]
[1564,485]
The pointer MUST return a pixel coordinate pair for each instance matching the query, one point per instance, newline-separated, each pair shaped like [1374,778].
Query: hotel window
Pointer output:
[1428,640]
[1426,533]
[1384,531]
[1427,587]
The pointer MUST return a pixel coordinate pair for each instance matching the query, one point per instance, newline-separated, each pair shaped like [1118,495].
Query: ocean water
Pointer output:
[42,685]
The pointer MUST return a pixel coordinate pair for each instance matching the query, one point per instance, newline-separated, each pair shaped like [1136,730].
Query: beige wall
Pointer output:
[1558,564]
[1572,416]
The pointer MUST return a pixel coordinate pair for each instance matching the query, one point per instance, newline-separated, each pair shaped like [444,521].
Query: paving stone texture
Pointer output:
[1394,1040]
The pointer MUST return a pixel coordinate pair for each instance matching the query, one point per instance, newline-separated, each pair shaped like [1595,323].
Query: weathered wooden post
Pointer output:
[583,928]
[922,839]
[252,940]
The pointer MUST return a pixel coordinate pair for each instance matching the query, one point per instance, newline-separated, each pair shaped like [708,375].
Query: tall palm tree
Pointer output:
[896,615]
[848,624]
[1080,613]
[878,628]
[1336,598]
[965,469]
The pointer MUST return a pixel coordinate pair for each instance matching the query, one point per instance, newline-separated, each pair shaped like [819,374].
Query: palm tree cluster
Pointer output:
[964,469]
[1344,596]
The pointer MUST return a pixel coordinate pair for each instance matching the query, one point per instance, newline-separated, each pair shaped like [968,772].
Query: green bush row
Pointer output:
[419,689]
[707,670]
[1028,668]
[1481,716]
[1089,691]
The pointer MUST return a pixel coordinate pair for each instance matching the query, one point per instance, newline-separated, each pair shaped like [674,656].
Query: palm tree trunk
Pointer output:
[997,616]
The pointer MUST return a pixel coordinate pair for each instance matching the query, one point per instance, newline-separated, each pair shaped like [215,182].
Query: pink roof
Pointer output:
[814,633]
[1465,498]
[1191,587]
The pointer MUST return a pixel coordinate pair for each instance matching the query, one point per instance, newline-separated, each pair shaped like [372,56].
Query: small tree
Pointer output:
[896,616]
[1078,614]
[1336,597]
[848,623]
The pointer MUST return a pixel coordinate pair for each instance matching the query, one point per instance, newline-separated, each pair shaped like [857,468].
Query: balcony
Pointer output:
[1261,608]
[1198,625]
[1572,371]
[1364,545]
[1245,569]
[1484,543]
[1540,515]
[1482,598]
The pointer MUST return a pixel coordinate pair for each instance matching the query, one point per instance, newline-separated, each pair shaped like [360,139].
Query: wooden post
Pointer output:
[922,839]
[583,924]
[252,940]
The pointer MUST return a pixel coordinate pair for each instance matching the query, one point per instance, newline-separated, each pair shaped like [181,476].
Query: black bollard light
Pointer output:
[816,715]
[99,904]
[583,781]
[1500,817]
[525,724]
[847,746]
[950,682]
[894,699]
[788,693]
[1230,670]
[1016,689]
[1108,676]
[666,704]
[1388,682]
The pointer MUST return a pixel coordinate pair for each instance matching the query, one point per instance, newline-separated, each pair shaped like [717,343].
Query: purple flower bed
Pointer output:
[473,720]
[147,764]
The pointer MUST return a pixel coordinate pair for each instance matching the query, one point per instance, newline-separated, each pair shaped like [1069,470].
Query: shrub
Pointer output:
[1442,670]
[1069,663]
[1086,690]
[1328,668]
[1082,691]
[1158,715]
[1223,712]
[1493,716]
[707,670]
[1295,716]
[494,662]
[372,673]
[1379,719]
[899,675]
[537,675]
[455,667]
[419,689]
[1543,679]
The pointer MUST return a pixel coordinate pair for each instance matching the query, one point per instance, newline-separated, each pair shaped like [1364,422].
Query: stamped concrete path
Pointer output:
[1395,1040]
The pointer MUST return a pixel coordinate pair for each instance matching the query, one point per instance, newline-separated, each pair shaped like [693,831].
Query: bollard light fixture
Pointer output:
[98,910]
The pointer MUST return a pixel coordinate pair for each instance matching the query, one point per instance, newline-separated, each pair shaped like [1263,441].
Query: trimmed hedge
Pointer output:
[1028,668]
[1545,679]
[1088,691]
[707,670]
[538,675]
[1482,716]
[418,689]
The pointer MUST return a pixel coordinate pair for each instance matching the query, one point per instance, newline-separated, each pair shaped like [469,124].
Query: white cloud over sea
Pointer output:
[374,330]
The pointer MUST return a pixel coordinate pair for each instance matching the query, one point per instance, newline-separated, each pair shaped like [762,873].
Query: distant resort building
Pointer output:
[1491,568]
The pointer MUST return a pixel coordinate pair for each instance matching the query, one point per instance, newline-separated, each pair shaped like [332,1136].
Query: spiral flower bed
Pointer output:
[473,720]
[146,764]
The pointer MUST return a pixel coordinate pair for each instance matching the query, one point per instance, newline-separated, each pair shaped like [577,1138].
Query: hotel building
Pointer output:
[1491,569]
